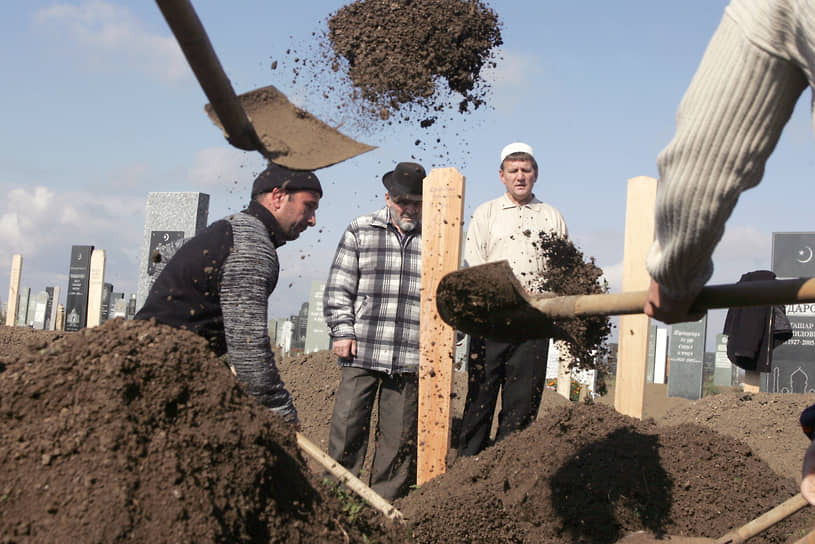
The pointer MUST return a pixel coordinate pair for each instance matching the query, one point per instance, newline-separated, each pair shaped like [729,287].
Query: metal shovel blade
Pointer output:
[283,133]
[488,300]
[290,136]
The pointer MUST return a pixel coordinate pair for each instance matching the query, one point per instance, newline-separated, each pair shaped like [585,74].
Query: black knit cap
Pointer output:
[289,180]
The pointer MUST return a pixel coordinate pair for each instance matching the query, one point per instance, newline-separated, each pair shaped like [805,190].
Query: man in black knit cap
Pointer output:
[218,283]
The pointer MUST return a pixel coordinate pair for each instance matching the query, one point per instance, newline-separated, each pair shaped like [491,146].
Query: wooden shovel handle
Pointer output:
[752,528]
[352,482]
[194,42]
[753,293]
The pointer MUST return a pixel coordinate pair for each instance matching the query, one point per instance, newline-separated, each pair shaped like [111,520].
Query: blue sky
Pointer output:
[100,108]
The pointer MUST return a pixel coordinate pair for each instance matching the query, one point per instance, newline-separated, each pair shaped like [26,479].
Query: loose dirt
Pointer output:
[133,431]
[419,65]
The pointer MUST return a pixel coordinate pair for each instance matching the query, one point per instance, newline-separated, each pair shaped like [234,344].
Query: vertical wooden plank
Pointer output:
[632,358]
[14,289]
[96,280]
[442,209]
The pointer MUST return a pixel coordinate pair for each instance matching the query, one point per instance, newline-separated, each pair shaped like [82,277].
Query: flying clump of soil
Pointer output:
[398,52]
[568,272]
[417,64]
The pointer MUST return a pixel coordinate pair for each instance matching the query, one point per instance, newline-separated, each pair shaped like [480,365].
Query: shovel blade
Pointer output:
[290,136]
[488,300]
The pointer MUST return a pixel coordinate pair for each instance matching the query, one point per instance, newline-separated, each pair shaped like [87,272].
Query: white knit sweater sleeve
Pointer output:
[728,123]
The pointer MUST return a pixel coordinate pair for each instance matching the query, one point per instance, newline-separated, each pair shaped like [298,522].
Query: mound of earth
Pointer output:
[133,431]
[585,473]
[137,432]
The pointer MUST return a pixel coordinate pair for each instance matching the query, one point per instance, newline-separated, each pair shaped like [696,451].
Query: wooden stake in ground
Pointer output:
[632,354]
[14,289]
[442,209]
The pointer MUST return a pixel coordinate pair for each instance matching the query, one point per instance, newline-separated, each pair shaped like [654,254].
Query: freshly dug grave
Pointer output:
[136,432]
[133,431]
[584,473]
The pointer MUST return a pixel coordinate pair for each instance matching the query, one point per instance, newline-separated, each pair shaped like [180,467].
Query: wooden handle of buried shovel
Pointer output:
[354,484]
[753,293]
[752,528]
[194,42]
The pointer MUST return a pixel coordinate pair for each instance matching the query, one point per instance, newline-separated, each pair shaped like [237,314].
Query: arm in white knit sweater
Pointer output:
[728,123]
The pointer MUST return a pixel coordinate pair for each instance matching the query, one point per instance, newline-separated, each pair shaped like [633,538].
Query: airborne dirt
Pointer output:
[135,432]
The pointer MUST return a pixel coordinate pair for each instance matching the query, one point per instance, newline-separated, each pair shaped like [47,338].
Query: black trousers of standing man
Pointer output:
[519,372]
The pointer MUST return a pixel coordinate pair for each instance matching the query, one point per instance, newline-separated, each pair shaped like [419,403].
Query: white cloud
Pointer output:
[222,166]
[511,79]
[111,37]
[742,249]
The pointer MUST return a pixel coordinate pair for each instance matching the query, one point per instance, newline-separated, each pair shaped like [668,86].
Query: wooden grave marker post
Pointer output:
[442,209]
[14,289]
[632,353]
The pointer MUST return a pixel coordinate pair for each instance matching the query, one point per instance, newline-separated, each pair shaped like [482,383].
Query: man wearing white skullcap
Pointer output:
[507,229]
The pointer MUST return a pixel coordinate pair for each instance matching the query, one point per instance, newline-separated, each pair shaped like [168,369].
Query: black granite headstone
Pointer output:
[107,289]
[76,303]
[686,359]
[48,306]
[163,245]
[793,363]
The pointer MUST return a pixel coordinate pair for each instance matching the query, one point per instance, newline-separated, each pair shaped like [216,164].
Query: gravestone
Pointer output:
[95,286]
[22,306]
[793,363]
[14,289]
[49,308]
[723,368]
[792,369]
[76,300]
[660,354]
[40,308]
[170,219]
[130,311]
[652,349]
[687,352]
[55,304]
[118,308]
[284,336]
[317,337]
[107,292]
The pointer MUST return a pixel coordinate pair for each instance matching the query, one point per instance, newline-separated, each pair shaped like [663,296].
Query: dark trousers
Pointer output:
[519,372]
[394,462]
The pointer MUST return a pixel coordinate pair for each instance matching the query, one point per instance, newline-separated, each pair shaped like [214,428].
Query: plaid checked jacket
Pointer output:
[372,294]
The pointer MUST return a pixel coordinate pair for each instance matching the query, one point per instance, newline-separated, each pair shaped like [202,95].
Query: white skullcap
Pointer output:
[517,147]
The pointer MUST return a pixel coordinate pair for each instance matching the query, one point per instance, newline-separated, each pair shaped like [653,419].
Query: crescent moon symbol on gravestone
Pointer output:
[805,251]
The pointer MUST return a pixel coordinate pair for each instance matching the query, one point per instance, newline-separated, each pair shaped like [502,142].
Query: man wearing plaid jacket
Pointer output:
[371,307]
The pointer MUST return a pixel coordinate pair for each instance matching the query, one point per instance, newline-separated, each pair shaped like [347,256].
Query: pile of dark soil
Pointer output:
[397,52]
[586,473]
[136,432]
[132,431]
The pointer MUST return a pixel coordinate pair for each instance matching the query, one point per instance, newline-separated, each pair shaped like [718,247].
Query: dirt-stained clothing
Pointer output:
[372,294]
[218,285]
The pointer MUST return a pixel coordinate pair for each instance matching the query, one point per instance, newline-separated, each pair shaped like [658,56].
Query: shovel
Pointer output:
[488,300]
[736,536]
[283,133]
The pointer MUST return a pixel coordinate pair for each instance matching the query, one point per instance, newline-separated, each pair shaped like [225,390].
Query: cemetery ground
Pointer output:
[133,431]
